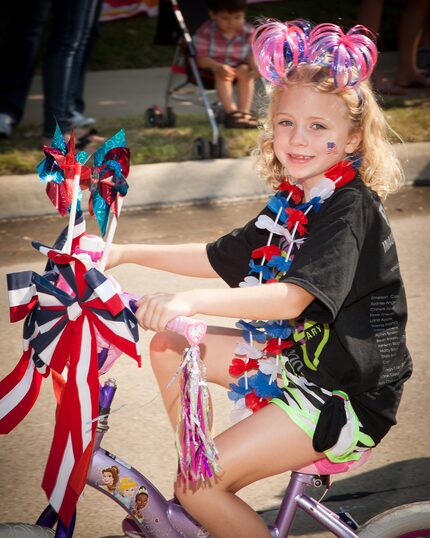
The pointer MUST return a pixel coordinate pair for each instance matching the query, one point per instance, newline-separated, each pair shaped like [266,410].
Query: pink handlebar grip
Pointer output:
[193,330]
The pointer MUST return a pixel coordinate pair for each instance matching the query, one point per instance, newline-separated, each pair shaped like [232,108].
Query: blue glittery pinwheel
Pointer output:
[108,185]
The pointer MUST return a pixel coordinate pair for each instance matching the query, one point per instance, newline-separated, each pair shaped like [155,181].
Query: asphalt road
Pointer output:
[398,471]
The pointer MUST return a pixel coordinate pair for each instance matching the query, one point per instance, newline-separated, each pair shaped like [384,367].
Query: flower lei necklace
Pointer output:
[251,393]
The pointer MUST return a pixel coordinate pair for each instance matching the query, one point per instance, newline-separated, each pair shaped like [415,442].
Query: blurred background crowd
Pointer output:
[62,39]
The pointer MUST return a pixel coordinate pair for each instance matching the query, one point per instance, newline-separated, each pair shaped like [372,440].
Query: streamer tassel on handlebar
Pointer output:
[197,453]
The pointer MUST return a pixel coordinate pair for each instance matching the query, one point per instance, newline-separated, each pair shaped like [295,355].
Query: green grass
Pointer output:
[409,117]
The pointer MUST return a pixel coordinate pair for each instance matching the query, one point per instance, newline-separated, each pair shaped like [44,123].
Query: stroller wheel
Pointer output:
[201,148]
[219,150]
[170,117]
[154,117]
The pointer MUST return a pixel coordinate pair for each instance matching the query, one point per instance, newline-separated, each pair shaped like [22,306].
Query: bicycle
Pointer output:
[151,515]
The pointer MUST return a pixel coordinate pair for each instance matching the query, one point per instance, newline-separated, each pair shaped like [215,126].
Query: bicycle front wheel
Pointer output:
[23,530]
[406,521]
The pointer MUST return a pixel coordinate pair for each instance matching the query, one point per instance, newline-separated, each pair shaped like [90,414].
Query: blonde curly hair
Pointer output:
[380,169]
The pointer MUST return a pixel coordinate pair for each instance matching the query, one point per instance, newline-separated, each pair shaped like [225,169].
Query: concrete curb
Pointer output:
[153,185]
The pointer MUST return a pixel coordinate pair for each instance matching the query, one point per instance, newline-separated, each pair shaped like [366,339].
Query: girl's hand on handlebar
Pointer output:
[155,310]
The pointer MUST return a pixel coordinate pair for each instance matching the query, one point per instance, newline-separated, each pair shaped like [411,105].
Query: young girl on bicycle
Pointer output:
[334,361]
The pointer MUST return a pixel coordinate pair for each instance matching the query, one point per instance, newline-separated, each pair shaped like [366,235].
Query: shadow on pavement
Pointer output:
[368,494]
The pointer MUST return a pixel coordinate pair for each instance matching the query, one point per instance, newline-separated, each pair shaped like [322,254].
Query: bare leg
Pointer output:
[245,88]
[265,444]
[217,351]
[411,25]
[224,89]
[370,14]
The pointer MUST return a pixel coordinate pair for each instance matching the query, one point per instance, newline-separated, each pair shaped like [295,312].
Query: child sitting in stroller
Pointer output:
[223,51]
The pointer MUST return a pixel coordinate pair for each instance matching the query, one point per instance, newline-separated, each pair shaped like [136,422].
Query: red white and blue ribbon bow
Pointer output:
[59,331]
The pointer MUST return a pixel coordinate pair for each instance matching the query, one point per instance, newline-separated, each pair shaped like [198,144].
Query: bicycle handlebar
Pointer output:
[194,330]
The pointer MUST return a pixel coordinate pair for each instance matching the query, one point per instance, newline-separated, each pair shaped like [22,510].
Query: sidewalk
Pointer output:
[116,94]
[153,185]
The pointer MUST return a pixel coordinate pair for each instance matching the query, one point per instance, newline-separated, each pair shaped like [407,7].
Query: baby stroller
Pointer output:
[172,29]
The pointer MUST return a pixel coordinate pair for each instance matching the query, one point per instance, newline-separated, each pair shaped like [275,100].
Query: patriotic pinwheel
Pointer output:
[108,185]
[59,169]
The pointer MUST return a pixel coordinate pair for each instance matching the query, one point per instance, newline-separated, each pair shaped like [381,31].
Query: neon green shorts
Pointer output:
[302,400]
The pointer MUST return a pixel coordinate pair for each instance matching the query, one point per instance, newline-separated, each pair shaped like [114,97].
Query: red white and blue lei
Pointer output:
[257,370]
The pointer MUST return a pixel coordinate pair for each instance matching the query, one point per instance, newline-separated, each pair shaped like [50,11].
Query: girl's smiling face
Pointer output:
[311,133]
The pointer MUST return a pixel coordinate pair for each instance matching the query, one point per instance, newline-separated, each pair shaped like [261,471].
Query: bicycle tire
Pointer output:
[24,530]
[408,519]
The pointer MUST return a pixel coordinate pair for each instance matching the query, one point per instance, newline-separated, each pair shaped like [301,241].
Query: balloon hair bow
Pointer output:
[279,47]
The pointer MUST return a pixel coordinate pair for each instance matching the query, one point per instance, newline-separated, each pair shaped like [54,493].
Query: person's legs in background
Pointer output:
[411,26]
[412,22]
[423,53]
[224,90]
[236,118]
[245,93]
[90,37]
[58,67]
[370,16]
[18,56]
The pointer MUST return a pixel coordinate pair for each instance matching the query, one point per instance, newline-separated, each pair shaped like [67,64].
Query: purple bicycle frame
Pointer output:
[160,517]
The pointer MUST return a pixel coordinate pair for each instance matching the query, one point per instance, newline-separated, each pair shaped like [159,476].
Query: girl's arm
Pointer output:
[269,301]
[188,259]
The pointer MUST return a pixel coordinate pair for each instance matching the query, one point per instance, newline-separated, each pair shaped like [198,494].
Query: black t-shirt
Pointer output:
[352,336]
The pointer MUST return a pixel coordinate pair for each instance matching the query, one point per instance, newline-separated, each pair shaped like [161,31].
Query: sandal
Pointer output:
[235,120]
[88,138]
[251,121]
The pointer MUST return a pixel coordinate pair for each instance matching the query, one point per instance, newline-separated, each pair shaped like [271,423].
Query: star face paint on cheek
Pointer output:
[331,148]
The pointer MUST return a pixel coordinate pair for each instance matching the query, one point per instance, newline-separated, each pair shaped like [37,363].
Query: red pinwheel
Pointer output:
[343,170]
[109,178]
[239,366]
[296,217]
[59,169]
[108,184]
